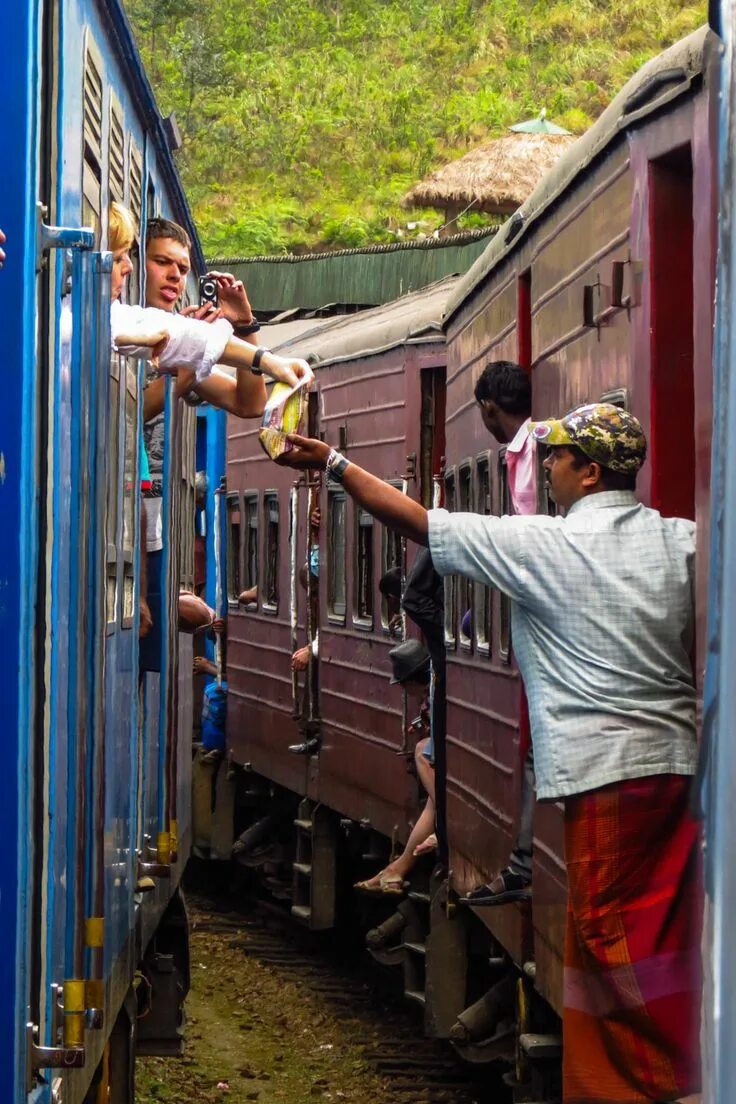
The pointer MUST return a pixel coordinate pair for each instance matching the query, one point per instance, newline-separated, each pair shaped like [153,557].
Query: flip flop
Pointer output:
[426,846]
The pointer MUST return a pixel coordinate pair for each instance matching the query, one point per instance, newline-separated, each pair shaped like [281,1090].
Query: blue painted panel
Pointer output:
[18,533]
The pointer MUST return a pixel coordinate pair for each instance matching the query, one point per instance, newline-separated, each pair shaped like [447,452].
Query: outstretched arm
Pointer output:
[384,502]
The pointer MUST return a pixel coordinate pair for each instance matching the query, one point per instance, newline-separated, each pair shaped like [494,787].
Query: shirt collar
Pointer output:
[602,500]
[521,439]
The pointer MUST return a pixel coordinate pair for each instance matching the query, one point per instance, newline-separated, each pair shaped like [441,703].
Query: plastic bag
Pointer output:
[286,412]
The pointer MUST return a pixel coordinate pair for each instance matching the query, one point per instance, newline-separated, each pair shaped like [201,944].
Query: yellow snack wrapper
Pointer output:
[285,412]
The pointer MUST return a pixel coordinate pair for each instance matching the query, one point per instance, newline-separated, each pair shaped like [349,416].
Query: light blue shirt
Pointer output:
[602,627]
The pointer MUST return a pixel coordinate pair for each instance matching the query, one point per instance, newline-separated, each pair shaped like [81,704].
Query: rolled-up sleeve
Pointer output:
[192,343]
[487,549]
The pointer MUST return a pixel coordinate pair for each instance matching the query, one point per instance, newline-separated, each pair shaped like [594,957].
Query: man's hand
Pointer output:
[292,372]
[232,299]
[305,453]
[204,666]
[300,659]
[208,312]
[247,596]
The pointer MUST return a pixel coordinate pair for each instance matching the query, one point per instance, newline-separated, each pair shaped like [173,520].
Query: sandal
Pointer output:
[505,887]
[389,885]
[426,846]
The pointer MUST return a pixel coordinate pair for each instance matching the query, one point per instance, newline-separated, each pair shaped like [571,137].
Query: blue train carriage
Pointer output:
[94,809]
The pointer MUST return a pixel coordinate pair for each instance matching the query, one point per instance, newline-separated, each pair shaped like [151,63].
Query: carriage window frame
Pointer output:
[391,539]
[503,498]
[450,580]
[271,552]
[135,203]
[112,493]
[250,542]
[131,489]
[336,563]
[235,555]
[484,505]
[364,575]
[465,586]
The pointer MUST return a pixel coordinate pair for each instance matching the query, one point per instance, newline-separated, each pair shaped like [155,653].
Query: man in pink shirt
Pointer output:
[504,394]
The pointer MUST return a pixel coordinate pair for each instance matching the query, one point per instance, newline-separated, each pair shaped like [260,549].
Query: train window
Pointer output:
[271,550]
[483,594]
[617,396]
[92,130]
[451,580]
[465,585]
[363,608]
[504,503]
[234,549]
[250,559]
[336,588]
[393,554]
[116,160]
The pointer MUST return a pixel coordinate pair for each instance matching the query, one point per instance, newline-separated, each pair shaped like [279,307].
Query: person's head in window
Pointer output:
[410,663]
[503,392]
[390,587]
[167,263]
[121,239]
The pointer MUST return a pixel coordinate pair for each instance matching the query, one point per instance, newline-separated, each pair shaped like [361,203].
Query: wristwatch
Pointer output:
[259,355]
[246,328]
[335,466]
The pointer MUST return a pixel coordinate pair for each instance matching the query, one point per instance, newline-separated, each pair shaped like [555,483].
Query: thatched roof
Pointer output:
[496,177]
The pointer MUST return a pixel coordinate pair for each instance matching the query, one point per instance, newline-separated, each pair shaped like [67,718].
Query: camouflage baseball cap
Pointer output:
[604,432]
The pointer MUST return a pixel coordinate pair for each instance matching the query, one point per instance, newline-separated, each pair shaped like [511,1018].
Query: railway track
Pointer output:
[387,1037]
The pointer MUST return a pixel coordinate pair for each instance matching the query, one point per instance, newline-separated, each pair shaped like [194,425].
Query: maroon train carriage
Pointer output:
[597,287]
[375,396]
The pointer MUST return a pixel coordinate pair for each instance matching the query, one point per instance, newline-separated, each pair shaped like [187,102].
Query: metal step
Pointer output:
[418,896]
[305,825]
[417,996]
[416,948]
[302,913]
[305,869]
[541,1046]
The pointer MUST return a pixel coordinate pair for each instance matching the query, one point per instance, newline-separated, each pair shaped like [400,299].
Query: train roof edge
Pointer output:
[124,41]
[412,318]
[658,82]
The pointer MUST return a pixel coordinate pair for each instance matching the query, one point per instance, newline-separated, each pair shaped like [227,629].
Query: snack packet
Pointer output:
[285,412]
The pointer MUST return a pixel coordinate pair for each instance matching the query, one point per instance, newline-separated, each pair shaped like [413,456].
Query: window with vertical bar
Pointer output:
[392,555]
[451,580]
[271,551]
[504,507]
[363,607]
[336,529]
[135,203]
[234,550]
[129,390]
[483,594]
[250,542]
[117,367]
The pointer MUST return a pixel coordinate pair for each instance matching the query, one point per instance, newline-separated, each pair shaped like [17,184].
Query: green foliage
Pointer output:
[304,123]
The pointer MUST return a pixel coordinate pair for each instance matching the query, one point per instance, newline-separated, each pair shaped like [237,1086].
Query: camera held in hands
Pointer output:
[207,291]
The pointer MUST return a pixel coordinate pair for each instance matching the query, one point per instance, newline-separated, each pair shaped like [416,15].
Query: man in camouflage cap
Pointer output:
[604,432]
[602,625]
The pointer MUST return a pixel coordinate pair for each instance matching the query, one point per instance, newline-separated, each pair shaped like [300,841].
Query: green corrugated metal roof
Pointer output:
[353,277]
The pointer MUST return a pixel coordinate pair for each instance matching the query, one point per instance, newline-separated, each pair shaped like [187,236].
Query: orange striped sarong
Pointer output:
[632,950]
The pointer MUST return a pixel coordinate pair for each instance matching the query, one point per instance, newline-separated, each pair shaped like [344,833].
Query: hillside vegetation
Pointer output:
[305,121]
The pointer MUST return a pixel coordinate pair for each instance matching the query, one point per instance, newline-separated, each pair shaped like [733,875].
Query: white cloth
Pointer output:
[602,624]
[521,465]
[192,343]
[153,509]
